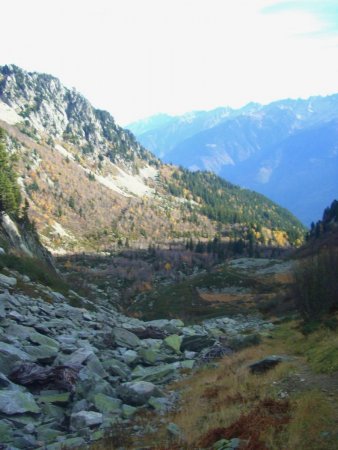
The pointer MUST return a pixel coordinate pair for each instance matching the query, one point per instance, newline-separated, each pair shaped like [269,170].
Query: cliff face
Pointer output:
[22,238]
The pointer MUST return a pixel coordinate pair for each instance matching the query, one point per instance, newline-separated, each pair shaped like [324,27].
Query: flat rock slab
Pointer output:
[16,402]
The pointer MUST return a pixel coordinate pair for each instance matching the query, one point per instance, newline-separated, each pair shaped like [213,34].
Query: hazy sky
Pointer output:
[135,58]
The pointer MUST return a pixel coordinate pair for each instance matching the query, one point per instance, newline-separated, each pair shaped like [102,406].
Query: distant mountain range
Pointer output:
[287,150]
[91,186]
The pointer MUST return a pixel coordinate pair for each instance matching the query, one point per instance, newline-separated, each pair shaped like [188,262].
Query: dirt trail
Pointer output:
[304,379]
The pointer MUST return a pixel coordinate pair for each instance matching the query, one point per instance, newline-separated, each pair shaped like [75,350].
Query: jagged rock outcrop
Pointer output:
[49,108]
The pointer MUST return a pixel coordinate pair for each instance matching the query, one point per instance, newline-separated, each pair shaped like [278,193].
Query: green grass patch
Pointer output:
[320,348]
[35,269]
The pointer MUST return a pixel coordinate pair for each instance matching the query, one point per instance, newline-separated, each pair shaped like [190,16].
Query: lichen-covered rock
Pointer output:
[106,404]
[174,342]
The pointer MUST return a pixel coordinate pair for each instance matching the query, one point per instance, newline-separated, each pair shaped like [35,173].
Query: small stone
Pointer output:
[174,429]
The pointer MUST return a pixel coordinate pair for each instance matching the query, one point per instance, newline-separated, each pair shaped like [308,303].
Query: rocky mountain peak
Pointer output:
[47,108]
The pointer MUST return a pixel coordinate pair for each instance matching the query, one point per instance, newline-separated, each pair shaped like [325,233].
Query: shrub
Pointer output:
[316,285]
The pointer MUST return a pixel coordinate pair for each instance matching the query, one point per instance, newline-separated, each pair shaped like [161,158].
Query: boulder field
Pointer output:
[68,374]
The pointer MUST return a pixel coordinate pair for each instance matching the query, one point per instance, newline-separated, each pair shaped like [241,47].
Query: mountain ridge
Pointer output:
[246,148]
[91,185]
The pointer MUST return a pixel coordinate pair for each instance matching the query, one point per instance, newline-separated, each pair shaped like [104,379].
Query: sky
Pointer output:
[136,58]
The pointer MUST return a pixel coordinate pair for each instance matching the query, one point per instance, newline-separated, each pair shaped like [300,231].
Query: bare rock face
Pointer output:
[45,105]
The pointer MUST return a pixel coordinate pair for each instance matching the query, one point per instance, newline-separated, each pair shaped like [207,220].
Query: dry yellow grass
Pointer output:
[227,397]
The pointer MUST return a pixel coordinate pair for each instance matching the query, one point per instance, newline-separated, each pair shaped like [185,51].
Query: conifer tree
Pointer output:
[9,190]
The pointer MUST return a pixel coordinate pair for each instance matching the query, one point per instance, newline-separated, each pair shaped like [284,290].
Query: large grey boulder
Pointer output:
[196,343]
[42,353]
[125,338]
[7,281]
[138,393]
[263,365]
[16,402]
[106,404]
[79,356]
[156,374]
[173,326]
[116,367]
[83,419]
[10,355]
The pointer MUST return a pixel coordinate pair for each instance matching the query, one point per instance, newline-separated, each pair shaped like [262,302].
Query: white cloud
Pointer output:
[138,57]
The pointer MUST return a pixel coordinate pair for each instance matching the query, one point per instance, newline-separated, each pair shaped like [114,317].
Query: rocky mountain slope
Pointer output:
[92,186]
[285,150]
[68,373]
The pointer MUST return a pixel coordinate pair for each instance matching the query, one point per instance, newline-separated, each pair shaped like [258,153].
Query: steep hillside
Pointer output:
[92,186]
[285,150]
